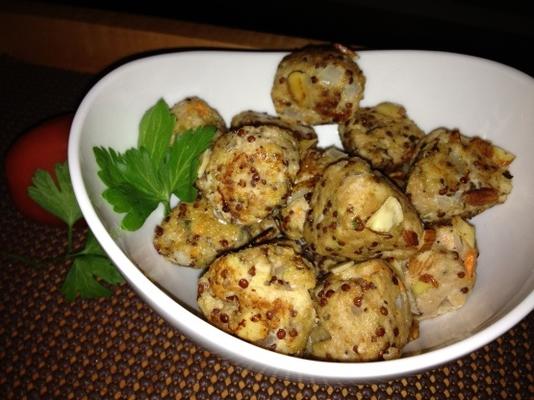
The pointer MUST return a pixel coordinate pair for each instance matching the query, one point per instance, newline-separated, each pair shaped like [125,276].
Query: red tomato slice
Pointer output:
[42,147]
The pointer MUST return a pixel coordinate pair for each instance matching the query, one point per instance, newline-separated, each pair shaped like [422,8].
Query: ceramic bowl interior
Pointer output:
[438,89]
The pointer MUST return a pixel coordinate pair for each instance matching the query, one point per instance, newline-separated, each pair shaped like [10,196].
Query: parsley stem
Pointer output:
[82,254]
[46,261]
[167,205]
[33,263]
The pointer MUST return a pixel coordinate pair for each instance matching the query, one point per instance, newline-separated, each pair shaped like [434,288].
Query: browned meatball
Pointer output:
[442,274]
[261,294]
[384,136]
[454,175]
[313,163]
[250,172]
[191,235]
[363,314]
[318,85]
[358,214]
[305,134]
[193,112]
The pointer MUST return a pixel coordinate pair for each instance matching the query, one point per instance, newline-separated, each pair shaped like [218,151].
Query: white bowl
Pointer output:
[477,96]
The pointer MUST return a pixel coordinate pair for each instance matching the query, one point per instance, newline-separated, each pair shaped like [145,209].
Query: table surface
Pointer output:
[118,347]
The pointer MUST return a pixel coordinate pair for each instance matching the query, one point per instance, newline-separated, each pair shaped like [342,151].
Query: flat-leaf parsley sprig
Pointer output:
[142,177]
[90,265]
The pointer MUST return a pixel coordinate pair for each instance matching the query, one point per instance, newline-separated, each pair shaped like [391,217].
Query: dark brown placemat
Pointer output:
[117,347]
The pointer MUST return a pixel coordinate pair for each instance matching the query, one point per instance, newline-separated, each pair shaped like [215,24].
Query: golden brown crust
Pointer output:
[305,134]
[383,135]
[358,214]
[193,112]
[313,163]
[442,274]
[261,294]
[454,175]
[318,85]
[363,314]
[191,236]
[250,172]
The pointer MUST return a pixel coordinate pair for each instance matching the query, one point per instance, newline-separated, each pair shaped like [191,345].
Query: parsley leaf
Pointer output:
[155,130]
[141,178]
[179,169]
[130,189]
[90,263]
[57,199]
[126,198]
[108,162]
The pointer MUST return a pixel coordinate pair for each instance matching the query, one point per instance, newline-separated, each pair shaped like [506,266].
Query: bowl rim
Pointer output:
[242,352]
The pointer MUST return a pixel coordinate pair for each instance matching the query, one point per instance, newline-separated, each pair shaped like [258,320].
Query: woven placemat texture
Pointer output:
[119,348]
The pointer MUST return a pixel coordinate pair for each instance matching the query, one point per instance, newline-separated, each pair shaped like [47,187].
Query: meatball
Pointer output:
[305,134]
[261,294]
[454,175]
[191,235]
[384,136]
[318,85]
[313,163]
[363,313]
[250,172]
[442,274]
[193,112]
[357,214]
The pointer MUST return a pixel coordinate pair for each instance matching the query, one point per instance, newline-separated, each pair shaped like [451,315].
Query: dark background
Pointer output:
[502,31]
